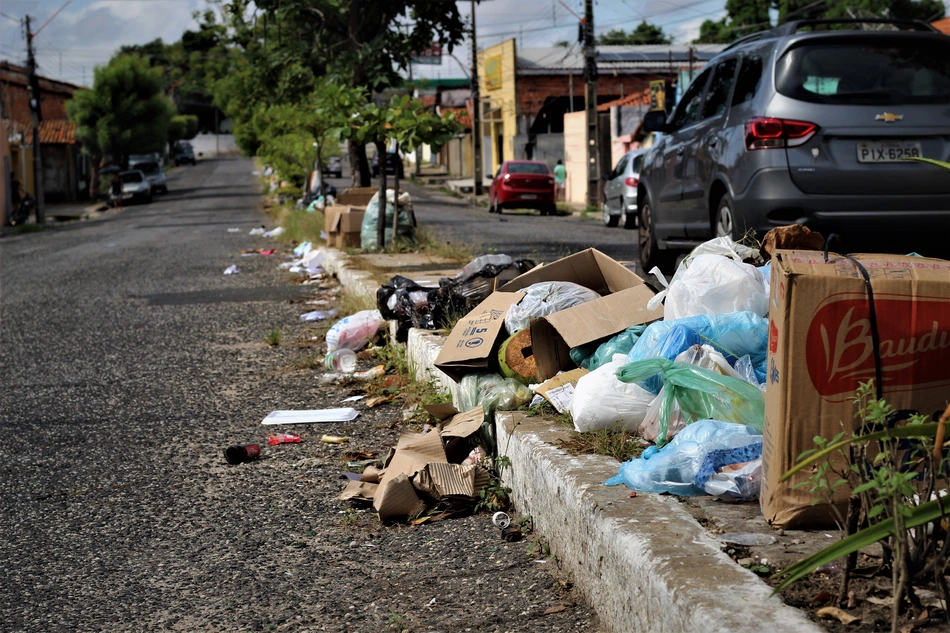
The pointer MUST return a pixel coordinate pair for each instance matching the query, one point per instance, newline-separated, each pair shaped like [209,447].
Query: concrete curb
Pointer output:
[644,564]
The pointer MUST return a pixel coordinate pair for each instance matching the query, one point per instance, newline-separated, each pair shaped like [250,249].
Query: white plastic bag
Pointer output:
[544,298]
[603,402]
[354,332]
[713,284]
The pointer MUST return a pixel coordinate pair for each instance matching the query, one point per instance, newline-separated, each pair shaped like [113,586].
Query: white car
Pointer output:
[155,176]
[135,186]
[334,167]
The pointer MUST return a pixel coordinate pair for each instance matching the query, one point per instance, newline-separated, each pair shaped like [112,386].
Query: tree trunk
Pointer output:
[381,217]
[396,192]
[94,177]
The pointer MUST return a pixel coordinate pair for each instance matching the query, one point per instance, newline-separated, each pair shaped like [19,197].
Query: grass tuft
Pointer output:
[274,336]
[621,445]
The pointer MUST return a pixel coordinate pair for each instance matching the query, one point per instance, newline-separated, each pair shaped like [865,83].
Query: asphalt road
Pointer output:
[516,233]
[127,362]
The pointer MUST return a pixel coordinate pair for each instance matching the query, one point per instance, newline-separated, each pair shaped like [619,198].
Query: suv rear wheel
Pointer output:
[609,220]
[724,224]
[650,253]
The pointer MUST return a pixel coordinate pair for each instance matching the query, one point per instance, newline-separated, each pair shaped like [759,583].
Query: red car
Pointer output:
[522,184]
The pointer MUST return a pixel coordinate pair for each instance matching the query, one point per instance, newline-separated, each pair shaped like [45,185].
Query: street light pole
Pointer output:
[590,102]
[36,114]
[476,113]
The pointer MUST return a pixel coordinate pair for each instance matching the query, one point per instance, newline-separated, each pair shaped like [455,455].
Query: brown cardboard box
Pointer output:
[820,348]
[356,196]
[472,344]
[343,224]
[623,303]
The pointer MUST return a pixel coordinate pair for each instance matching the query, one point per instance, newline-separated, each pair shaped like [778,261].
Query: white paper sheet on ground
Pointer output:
[344,414]
[312,260]
[561,397]
[231,270]
[258,231]
[234,230]
[353,399]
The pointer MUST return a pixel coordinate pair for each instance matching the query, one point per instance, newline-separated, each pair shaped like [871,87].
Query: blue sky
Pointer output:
[87,32]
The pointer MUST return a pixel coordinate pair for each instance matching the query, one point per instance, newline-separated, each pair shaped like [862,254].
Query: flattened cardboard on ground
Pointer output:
[396,498]
[358,490]
[820,348]
[450,480]
[559,391]
[623,303]
[474,339]
[412,453]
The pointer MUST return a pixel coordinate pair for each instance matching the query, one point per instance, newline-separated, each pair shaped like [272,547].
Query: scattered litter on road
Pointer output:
[375,401]
[355,331]
[283,438]
[334,439]
[317,315]
[354,398]
[234,230]
[342,361]
[344,414]
[257,231]
[275,232]
[231,270]
[240,454]
[501,520]
[376,372]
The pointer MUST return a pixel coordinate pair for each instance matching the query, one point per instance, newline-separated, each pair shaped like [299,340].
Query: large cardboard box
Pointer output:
[820,348]
[356,196]
[343,224]
[473,342]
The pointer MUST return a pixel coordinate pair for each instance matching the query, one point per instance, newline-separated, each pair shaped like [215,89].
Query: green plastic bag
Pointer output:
[406,230]
[593,355]
[701,394]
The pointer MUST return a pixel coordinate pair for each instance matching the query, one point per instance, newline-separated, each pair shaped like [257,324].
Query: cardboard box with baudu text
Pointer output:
[622,304]
[820,348]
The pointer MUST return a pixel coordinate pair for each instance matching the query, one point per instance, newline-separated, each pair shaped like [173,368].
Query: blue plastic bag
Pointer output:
[733,335]
[593,355]
[677,466]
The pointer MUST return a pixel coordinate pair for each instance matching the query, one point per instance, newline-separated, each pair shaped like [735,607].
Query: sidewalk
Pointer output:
[649,563]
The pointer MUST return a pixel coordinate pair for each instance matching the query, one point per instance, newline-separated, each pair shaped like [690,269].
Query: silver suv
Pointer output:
[802,124]
[620,190]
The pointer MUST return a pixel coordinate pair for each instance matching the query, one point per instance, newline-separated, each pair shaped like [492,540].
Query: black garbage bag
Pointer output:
[406,302]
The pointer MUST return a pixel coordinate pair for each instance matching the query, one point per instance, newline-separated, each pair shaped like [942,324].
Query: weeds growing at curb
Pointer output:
[405,385]
[274,336]
[590,213]
[621,445]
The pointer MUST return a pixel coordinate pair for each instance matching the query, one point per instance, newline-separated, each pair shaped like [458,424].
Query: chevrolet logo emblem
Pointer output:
[889,117]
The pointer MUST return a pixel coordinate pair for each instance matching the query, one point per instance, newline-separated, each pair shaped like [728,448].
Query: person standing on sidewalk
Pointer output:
[115,190]
[560,180]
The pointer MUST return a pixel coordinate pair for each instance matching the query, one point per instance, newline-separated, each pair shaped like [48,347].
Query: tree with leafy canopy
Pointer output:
[742,17]
[183,127]
[289,44]
[125,112]
[645,33]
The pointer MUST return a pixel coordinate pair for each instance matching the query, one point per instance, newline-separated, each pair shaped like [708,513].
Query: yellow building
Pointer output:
[496,85]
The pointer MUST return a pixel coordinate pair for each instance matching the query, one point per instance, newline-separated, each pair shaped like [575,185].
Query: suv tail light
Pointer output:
[631,181]
[771,133]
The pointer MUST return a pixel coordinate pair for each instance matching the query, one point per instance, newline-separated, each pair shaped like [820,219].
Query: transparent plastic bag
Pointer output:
[675,467]
[601,401]
[406,229]
[736,482]
[544,298]
[493,392]
[700,393]
[732,335]
[355,331]
[712,284]
[591,357]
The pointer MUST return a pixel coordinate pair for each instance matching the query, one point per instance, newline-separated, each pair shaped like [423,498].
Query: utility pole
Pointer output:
[36,115]
[590,102]
[476,113]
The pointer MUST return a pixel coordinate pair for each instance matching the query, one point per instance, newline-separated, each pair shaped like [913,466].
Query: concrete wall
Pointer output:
[575,156]
[547,147]
[498,93]
[209,147]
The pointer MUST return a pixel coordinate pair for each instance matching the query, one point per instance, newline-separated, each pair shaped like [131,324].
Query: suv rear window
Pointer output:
[881,72]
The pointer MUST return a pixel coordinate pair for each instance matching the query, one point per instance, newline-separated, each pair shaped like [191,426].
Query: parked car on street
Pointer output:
[334,167]
[393,165]
[152,157]
[135,186]
[522,184]
[805,125]
[620,190]
[155,176]
[183,153]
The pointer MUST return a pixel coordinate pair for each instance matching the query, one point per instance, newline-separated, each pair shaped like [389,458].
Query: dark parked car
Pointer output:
[803,124]
[522,184]
[184,153]
[393,164]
